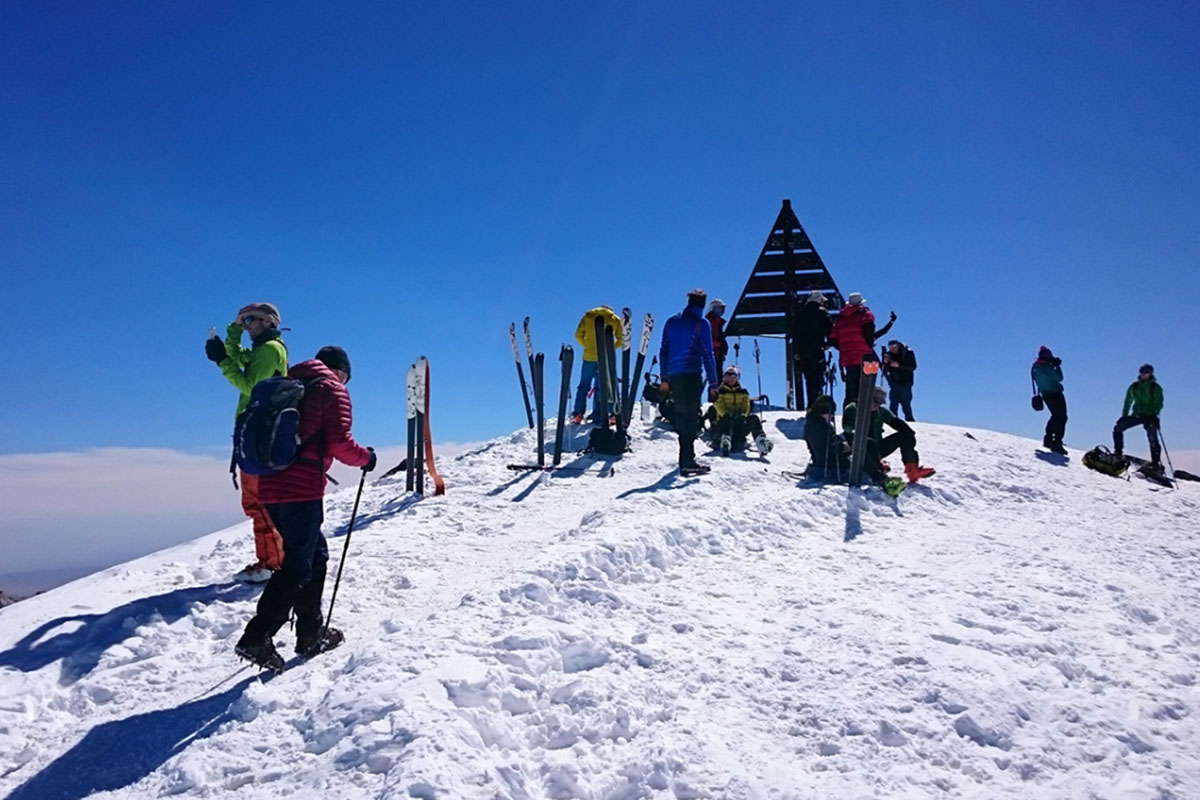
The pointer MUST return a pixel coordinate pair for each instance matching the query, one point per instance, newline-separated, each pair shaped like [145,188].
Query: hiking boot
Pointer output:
[763,444]
[695,468]
[1057,447]
[262,654]
[726,444]
[325,639]
[915,472]
[1048,442]
[254,573]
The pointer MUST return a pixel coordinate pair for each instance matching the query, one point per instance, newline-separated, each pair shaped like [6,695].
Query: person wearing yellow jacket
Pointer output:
[244,367]
[734,420]
[585,334]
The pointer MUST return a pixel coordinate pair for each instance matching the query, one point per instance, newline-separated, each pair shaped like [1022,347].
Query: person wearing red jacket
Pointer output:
[854,336]
[294,498]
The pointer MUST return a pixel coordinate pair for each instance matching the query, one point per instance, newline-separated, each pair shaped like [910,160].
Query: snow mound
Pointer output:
[1015,626]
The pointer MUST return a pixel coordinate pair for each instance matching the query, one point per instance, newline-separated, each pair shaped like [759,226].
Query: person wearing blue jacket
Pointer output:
[1047,377]
[686,356]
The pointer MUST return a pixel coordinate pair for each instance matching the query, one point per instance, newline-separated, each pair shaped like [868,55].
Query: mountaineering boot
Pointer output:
[1057,447]
[254,573]
[915,472]
[693,469]
[763,444]
[1048,442]
[262,653]
[893,486]
[726,444]
[326,639]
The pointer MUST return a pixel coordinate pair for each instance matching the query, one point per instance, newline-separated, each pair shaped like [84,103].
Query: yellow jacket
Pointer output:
[585,334]
[732,400]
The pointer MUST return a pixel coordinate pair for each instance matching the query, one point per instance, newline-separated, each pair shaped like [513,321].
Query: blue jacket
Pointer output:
[1047,375]
[687,346]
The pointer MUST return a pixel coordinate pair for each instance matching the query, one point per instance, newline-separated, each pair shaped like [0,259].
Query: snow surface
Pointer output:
[1013,627]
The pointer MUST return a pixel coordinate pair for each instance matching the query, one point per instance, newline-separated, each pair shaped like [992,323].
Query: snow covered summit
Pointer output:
[1010,628]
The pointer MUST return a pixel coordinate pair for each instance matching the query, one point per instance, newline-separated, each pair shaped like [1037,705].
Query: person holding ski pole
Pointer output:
[1047,378]
[294,497]
[1143,404]
[244,367]
[589,370]
[854,336]
[686,356]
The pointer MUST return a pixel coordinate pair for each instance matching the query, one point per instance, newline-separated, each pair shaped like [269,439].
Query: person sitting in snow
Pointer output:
[879,446]
[1143,404]
[294,497]
[732,417]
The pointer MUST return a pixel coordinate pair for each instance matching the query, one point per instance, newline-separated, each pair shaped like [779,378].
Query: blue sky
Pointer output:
[408,178]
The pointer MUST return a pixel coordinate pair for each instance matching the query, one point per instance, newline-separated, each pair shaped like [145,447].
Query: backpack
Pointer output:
[1102,459]
[266,436]
[608,442]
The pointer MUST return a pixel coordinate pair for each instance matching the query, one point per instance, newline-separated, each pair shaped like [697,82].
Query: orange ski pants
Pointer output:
[268,544]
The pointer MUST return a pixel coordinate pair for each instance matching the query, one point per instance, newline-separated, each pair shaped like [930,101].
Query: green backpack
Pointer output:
[1101,459]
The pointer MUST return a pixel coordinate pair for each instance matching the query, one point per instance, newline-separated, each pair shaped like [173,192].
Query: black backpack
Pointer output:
[608,442]
[1102,459]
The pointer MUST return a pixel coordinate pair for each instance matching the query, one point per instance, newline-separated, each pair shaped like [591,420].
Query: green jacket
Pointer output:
[1144,397]
[267,358]
[874,426]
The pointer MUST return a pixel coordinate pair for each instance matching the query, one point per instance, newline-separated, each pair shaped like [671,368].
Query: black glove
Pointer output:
[370,462]
[712,394]
[892,318]
[214,348]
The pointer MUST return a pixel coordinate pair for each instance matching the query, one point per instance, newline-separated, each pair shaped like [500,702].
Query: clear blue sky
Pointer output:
[408,178]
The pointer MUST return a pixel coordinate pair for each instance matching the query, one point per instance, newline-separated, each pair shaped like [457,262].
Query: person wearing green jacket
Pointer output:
[245,367]
[1143,404]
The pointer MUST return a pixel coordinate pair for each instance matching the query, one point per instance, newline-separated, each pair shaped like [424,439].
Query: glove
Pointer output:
[665,388]
[712,394]
[214,348]
[892,317]
[370,466]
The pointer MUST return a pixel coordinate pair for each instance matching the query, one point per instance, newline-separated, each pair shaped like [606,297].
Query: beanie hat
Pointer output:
[734,369]
[1146,368]
[715,304]
[1044,352]
[856,299]
[822,405]
[696,297]
[335,357]
[816,297]
[879,395]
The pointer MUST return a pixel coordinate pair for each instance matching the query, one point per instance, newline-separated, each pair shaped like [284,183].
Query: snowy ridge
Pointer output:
[1012,627]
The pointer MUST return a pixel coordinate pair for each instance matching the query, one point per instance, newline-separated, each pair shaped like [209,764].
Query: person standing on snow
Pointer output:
[294,497]
[589,370]
[854,337]
[899,364]
[685,355]
[716,321]
[734,419]
[1047,377]
[880,446]
[810,338]
[1143,404]
[245,367]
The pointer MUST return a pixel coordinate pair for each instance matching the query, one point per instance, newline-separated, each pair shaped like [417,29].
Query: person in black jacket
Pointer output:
[899,364]
[810,339]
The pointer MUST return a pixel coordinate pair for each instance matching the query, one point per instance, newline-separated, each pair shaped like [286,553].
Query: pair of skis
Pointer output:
[420,440]
[537,368]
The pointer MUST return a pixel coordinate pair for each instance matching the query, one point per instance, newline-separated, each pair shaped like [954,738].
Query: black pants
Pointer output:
[685,392]
[904,441]
[1056,426]
[300,583]
[738,427]
[810,377]
[851,376]
[1151,426]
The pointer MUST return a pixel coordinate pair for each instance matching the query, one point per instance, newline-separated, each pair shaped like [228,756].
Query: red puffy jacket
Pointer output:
[325,408]
[849,334]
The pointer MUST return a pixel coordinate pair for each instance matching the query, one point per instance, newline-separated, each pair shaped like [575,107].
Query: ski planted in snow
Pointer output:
[567,356]
[613,387]
[626,342]
[602,400]
[643,345]
[439,485]
[862,418]
[512,337]
[529,352]
[539,364]
[414,406]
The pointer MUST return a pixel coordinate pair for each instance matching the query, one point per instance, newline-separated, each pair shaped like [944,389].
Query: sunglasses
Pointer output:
[248,319]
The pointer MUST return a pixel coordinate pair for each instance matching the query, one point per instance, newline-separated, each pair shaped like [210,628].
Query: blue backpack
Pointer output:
[266,436]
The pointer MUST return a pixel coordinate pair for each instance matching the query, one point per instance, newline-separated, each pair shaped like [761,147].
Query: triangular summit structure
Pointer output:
[788,268]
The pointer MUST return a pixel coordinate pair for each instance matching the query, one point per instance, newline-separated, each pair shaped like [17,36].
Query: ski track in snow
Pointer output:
[1009,628]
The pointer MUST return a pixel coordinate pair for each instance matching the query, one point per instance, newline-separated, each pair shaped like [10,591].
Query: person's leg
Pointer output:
[268,546]
[852,376]
[893,398]
[814,377]
[1057,405]
[300,526]
[685,391]
[906,402]
[587,374]
[754,426]
[1155,447]
[1122,425]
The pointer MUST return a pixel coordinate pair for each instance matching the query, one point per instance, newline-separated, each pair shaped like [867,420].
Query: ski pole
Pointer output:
[1166,452]
[758,367]
[345,549]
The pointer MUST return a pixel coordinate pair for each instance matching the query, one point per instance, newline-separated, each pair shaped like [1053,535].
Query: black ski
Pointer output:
[601,375]
[567,357]
[512,337]
[626,335]
[643,345]
[539,363]
[610,356]
[862,419]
